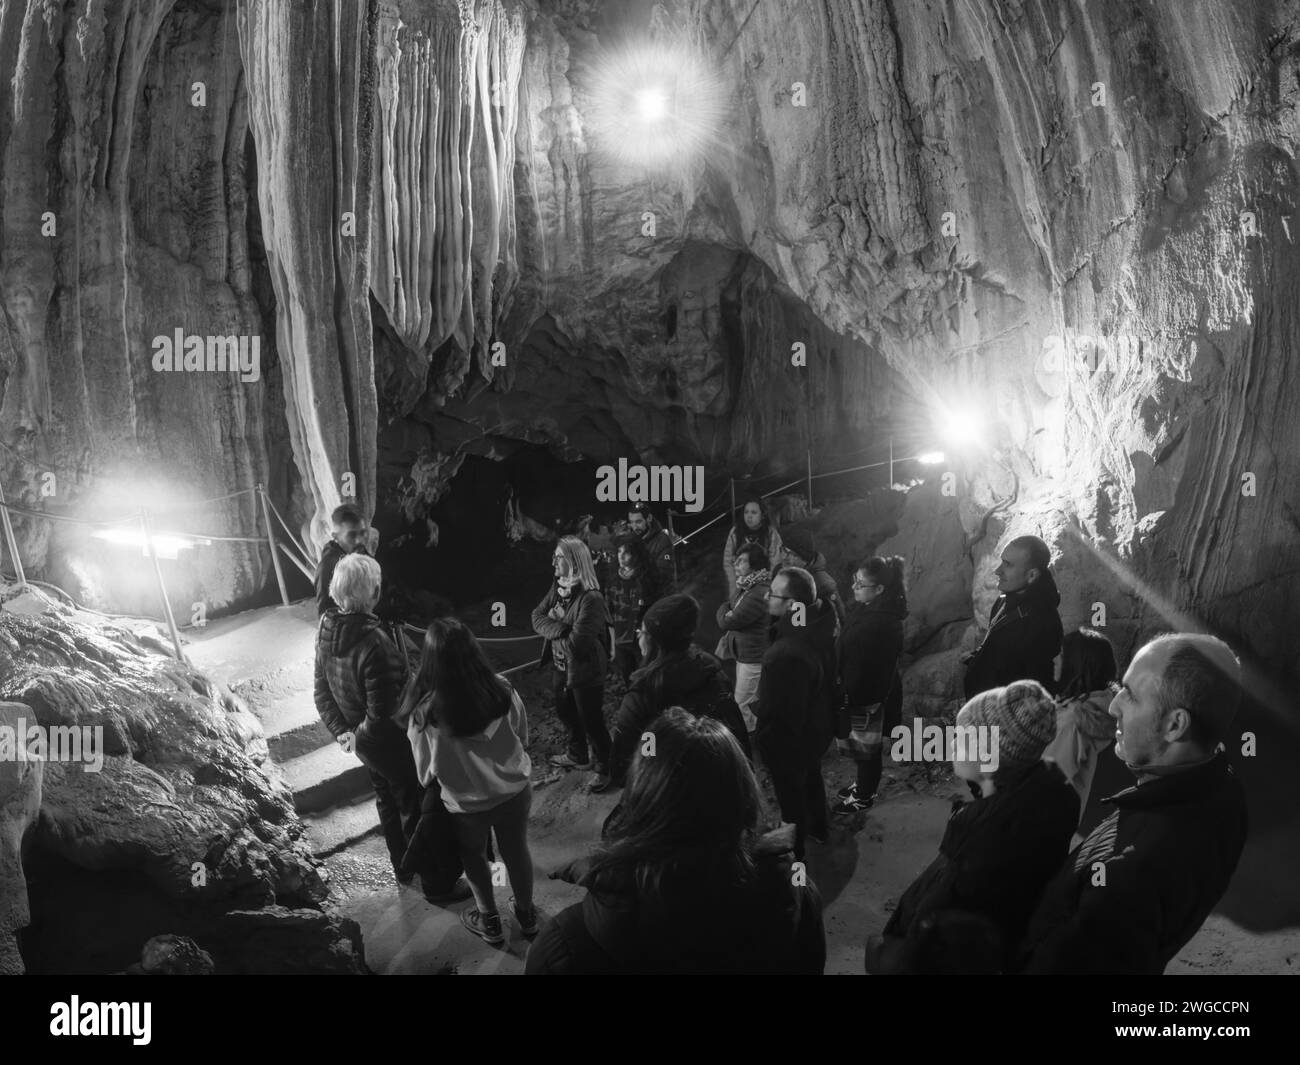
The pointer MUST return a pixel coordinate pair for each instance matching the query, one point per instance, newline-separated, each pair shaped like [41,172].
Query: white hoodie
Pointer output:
[478,772]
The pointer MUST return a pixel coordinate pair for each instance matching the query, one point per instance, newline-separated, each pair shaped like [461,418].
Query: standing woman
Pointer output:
[634,587]
[869,648]
[754,527]
[574,620]
[745,625]
[468,729]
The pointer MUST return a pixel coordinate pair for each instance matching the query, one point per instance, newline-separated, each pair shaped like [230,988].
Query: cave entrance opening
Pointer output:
[474,561]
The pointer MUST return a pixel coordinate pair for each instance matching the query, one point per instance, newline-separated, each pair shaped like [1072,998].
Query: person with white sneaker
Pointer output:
[468,730]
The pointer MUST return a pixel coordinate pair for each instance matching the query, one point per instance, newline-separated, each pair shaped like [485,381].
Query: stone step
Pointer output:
[341,826]
[291,744]
[289,713]
[325,777]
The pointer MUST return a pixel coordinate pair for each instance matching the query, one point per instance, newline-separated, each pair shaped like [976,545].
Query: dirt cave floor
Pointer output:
[865,865]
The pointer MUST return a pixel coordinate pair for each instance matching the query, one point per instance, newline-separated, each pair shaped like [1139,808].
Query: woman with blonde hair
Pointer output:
[575,622]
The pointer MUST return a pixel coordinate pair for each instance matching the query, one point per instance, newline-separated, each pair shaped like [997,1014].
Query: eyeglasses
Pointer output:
[865,584]
[771,596]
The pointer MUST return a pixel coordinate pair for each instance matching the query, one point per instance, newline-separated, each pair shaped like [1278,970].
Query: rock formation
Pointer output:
[163,790]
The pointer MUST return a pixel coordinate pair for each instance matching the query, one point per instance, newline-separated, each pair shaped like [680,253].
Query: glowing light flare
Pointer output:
[165,545]
[654,105]
[651,104]
[959,426]
[931,458]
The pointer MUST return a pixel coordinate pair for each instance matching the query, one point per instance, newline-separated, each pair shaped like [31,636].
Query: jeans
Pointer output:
[509,820]
[384,750]
[747,677]
[582,713]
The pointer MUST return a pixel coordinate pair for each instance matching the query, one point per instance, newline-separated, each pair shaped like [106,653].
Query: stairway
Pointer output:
[265,656]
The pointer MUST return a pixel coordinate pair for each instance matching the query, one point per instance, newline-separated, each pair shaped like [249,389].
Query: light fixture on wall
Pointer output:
[165,545]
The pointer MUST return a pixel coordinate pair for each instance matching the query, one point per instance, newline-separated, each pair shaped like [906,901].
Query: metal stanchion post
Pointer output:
[891,462]
[810,497]
[162,586]
[733,500]
[270,539]
[12,541]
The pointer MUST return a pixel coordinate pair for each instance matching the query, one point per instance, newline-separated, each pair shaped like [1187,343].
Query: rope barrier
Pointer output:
[302,550]
[481,639]
[31,513]
[202,502]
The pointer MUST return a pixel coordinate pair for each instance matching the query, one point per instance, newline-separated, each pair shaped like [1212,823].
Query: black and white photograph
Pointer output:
[651,487]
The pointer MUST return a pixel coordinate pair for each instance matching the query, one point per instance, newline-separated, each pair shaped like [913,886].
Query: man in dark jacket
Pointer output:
[801,550]
[679,674]
[358,683]
[1143,882]
[658,543]
[1025,631]
[349,536]
[796,700]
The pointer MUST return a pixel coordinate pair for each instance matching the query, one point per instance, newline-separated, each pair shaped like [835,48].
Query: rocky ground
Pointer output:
[180,825]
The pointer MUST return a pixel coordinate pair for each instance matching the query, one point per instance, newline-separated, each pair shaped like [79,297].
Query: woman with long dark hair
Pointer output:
[870,644]
[754,526]
[1084,727]
[683,883]
[468,729]
[574,620]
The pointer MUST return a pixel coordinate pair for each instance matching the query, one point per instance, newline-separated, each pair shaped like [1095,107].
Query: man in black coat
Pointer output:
[349,536]
[1025,631]
[658,543]
[796,702]
[1143,882]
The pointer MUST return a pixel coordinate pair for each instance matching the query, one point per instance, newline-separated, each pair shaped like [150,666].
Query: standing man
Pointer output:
[1025,630]
[1143,882]
[350,535]
[795,709]
[658,543]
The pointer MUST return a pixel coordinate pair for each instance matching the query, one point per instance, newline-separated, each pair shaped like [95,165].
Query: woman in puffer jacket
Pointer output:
[745,625]
[1084,727]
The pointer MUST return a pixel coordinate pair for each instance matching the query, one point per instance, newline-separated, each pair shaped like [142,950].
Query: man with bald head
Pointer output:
[1142,883]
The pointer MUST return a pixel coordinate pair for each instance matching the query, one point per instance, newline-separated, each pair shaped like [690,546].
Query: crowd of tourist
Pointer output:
[690,874]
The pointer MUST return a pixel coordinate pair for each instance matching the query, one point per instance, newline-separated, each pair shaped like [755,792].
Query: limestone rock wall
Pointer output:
[1158,215]
[972,192]
[126,217]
